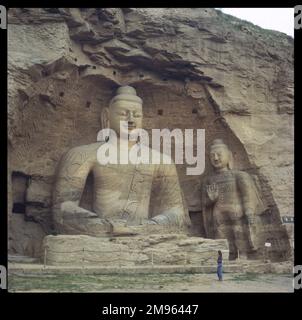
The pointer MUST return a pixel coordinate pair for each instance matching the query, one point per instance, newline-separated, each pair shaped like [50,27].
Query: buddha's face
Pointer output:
[131,112]
[219,157]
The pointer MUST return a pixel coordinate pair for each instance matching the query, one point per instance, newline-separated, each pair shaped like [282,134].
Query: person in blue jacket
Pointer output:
[219,265]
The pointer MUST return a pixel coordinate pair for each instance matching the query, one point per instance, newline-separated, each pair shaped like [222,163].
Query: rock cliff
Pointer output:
[193,68]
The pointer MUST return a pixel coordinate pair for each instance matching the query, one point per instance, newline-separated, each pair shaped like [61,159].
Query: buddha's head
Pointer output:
[220,155]
[124,106]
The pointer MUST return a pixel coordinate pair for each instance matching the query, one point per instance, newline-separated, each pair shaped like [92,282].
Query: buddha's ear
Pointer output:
[105,118]
[231,160]
[104,133]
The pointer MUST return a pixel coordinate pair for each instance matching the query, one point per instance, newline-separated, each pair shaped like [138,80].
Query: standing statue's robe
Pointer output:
[225,217]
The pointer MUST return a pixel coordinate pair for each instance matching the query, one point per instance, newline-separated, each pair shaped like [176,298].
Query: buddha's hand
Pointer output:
[250,217]
[70,208]
[212,191]
[150,221]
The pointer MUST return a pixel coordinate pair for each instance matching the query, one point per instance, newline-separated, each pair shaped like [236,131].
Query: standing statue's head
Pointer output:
[220,155]
[124,106]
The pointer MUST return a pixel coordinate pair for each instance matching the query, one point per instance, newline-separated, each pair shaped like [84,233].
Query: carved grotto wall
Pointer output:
[193,68]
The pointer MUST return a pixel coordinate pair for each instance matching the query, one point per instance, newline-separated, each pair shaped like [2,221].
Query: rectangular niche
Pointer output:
[19,186]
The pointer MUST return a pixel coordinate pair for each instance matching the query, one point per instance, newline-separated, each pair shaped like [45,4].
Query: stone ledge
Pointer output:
[38,269]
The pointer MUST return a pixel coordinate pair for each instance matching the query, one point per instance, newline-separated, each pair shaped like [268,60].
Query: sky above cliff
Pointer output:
[280,19]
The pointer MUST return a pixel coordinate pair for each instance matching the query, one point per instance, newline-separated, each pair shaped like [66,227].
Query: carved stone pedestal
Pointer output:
[156,249]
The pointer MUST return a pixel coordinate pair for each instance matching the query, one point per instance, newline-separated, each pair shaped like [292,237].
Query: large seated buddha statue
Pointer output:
[121,192]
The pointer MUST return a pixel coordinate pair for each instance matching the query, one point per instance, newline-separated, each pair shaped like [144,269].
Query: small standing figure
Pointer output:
[219,265]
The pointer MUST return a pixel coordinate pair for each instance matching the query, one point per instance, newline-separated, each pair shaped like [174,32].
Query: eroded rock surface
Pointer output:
[194,68]
[157,249]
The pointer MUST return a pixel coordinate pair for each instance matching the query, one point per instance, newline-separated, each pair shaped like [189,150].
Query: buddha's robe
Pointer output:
[225,217]
[122,193]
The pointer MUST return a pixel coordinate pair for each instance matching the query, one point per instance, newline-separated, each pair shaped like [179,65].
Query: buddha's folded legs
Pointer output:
[83,225]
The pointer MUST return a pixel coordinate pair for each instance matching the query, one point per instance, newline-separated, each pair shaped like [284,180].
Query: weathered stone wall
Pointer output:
[193,68]
[157,249]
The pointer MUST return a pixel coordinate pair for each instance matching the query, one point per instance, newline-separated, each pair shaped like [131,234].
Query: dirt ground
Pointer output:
[151,283]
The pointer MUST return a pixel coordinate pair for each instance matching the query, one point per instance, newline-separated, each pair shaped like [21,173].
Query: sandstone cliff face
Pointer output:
[193,68]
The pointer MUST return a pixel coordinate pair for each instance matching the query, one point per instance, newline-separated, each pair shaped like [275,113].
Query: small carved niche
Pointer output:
[87,196]
[19,185]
